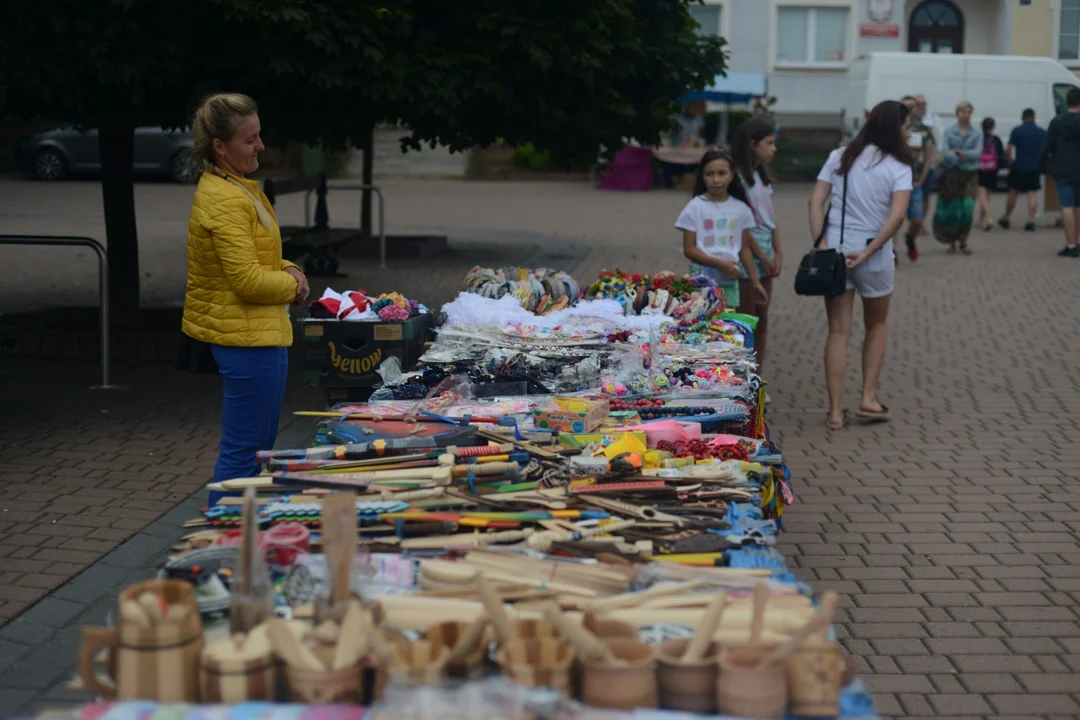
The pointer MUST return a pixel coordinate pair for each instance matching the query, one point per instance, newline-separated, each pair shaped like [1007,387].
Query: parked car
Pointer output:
[61,152]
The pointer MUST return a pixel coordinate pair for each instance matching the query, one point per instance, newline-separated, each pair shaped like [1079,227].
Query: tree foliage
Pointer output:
[569,76]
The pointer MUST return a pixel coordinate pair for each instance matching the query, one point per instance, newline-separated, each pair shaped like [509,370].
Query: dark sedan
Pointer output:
[64,151]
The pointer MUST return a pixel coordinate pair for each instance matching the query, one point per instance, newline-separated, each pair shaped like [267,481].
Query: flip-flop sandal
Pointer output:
[874,416]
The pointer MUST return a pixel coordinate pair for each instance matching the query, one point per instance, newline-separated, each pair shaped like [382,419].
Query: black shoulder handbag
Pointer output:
[824,272]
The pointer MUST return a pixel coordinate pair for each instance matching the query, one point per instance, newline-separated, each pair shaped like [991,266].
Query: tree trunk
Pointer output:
[369,163]
[116,145]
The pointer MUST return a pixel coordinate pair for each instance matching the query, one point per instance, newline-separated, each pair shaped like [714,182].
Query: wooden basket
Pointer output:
[621,687]
[815,675]
[746,691]
[422,661]
[530,628]
[231,671]
[687,686]
[327,687]
[538,662]
[446,634]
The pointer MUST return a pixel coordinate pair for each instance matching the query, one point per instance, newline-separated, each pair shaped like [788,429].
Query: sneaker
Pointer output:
[1004,223]
[1069,251]
[1029,227]
[912,251]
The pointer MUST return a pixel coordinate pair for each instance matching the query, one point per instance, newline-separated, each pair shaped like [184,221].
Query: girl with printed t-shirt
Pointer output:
[716,226]
[868,188]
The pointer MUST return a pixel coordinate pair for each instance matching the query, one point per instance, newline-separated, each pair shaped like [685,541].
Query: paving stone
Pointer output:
[1021,704]
[955,704]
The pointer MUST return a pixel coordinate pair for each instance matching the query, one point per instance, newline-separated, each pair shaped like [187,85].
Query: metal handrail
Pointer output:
[103,283]
[382,212]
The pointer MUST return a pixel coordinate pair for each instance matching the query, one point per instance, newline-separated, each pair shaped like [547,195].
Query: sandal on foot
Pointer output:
[873,415]
[965,250]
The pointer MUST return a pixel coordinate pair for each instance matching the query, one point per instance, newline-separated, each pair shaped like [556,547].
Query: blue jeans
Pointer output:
[254,379]
[915,207]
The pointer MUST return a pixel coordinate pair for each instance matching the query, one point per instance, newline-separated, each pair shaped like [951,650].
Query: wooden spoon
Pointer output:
[504,629]
[289,647]
[695,649]
[761,599]
[352,640]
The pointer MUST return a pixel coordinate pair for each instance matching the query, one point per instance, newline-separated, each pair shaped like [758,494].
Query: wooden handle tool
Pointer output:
[352,640]
[291,650]
[468,641]
[504,629]
[818,624]
[761,599]
[703,636]
[585,644]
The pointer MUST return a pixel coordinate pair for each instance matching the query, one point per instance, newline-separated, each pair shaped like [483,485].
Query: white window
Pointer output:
[712,17]
[812,35]
[1069,31]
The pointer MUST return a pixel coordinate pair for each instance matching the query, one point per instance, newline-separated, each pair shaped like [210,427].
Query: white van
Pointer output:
[998,86]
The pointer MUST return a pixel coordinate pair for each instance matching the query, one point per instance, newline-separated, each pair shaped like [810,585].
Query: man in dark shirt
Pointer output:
[1061,159]
[1025,144]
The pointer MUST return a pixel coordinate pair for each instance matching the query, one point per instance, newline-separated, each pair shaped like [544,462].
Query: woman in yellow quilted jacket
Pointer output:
[238,286]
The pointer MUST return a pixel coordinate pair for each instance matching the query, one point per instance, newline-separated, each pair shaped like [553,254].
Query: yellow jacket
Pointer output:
[237,290]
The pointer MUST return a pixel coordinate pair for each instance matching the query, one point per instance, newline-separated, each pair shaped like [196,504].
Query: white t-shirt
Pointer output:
[719,226]
[761,204]
[871,183]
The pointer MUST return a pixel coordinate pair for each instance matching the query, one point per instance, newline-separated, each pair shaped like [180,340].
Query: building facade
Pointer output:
[804,46]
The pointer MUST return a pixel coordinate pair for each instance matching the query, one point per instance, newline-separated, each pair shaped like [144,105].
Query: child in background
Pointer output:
[753,149]
[716,227]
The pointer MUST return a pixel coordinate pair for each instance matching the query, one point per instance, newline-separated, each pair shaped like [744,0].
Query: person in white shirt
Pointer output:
[716,226]
[869,185]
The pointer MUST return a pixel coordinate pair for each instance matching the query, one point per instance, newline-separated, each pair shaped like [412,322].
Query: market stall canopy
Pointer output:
[732,88]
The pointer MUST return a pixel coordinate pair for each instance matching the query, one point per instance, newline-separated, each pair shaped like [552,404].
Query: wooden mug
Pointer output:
[157,662]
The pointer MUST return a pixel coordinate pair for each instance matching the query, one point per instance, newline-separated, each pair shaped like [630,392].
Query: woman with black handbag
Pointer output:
[868,186]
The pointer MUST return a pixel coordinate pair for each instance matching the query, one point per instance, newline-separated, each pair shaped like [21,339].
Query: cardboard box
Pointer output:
[343,353]
[575,415]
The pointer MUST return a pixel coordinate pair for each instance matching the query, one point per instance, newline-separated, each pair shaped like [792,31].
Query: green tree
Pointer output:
[570,76]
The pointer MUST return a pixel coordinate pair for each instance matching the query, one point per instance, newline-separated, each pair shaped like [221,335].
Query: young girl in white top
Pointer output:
[716,227]
[868,186]
[753,148]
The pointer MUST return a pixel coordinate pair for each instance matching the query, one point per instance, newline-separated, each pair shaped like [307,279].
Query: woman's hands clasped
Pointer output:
[303,289]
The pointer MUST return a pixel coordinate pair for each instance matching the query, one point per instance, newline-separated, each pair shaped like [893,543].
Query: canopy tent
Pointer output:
[732,88]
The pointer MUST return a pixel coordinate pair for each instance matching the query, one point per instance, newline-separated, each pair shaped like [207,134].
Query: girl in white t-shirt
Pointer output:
[876,170]
[716,227]
[753,148]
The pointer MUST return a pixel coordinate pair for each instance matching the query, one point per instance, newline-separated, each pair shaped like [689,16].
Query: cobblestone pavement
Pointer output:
[950,532]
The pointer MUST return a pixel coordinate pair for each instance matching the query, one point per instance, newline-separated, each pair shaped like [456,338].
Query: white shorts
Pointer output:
[874,278]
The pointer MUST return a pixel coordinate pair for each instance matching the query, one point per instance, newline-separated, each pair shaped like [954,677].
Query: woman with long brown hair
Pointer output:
[868,184]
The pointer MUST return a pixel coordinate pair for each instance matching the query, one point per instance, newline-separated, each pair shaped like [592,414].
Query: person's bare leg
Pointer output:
[761,335]
[839,310]
[750,305]
[875,314]
[1070,218]
[1010,205]
[1033,206]
[985,218]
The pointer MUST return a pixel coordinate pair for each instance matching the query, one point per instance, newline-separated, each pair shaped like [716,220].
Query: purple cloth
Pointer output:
[631,169]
